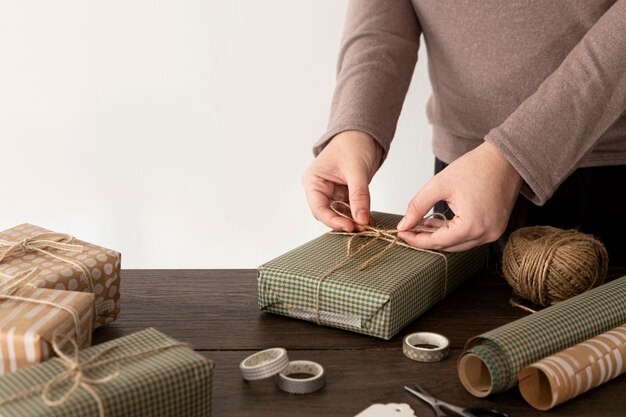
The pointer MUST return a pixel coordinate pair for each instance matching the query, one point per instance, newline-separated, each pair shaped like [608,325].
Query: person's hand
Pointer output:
[343,171]
[480,187]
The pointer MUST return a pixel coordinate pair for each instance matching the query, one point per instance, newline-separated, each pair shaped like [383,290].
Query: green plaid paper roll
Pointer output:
[167,382]
[492,361]
[377,301]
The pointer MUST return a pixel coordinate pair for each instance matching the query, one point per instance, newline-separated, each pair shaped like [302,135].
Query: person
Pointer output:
[528,109]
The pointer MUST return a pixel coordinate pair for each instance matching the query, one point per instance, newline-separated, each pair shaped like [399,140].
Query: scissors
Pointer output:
[437,406]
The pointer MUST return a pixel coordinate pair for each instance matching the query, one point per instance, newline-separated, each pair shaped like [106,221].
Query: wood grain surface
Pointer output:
[216,312]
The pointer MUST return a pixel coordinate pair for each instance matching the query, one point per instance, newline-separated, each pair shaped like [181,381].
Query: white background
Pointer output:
[177,131]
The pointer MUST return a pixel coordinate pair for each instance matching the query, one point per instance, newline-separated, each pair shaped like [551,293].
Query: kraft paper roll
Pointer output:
[492,361]
[567,374]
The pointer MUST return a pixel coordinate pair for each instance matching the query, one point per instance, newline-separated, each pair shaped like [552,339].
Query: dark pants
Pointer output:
[592,200]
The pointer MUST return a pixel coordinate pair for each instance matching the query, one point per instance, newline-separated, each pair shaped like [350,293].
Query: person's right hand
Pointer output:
[343,171]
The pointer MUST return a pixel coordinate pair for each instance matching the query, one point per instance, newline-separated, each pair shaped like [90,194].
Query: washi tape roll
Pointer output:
[417,347]
[264,364]
[287,381]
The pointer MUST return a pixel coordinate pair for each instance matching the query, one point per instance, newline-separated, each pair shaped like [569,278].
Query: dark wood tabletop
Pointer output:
[216,312]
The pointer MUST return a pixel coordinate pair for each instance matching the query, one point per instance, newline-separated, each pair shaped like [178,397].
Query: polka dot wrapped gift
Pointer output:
[64,263]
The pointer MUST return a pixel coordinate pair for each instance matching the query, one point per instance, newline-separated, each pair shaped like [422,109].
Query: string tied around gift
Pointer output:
[42,243]
[12,284]
[376,234]
[76,374]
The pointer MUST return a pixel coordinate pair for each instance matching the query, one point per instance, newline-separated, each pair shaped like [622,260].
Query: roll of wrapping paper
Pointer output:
[575,370]
[492,361]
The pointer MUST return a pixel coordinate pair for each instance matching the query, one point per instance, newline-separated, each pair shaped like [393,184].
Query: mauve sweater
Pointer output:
[544,81]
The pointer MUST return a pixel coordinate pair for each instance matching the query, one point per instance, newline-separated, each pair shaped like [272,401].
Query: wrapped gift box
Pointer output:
[90,269]
[143,374]
[27,328]
[379,300]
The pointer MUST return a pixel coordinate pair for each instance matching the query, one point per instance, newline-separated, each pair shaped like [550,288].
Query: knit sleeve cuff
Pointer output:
[384,142]
[532,188]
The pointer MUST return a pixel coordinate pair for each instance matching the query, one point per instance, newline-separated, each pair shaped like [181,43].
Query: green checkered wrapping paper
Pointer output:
[377,301]
[509,348]
[171,382]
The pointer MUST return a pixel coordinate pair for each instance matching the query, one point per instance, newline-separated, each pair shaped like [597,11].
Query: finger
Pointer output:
[421,204]
[434,223]
[470,244]
[341,193]
[372,221]
[359,196]
[445,237]
[320,207]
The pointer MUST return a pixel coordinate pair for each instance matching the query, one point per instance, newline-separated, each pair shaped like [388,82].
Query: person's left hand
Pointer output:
[480,187]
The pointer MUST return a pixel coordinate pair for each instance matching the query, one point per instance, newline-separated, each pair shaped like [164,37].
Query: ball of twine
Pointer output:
[546,265]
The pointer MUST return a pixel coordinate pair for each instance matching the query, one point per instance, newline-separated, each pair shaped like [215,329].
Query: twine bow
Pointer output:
[76,374]
[43,241]
[375,234]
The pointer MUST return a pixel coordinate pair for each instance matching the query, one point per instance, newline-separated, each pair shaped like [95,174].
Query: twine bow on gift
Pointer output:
[76,374]
[41,243]
[375,234]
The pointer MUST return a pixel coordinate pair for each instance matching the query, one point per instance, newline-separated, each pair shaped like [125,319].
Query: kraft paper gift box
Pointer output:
[143,374]
[64,263]
[379,300]
[27,328]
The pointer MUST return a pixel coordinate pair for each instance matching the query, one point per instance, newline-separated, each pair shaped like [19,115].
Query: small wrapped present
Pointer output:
[378,287]
[30,318]
[143,374]
[64,263]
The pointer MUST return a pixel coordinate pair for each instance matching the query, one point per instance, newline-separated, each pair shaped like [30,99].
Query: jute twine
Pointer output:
[547,265]
[375,234]
[42,243]
[11,284]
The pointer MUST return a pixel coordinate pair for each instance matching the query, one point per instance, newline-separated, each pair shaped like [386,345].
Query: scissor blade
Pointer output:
[424,397]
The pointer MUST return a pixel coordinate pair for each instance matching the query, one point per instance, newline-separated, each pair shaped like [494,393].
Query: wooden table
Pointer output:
[216,312]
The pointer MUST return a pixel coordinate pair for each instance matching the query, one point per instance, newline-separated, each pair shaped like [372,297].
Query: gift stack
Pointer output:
[54,291]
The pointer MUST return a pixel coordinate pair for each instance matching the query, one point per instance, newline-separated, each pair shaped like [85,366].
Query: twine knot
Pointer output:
[41,243]
[375,234]
[75,374]
[46,240]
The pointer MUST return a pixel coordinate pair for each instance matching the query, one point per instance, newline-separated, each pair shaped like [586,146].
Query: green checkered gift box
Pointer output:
[143,374]
[318,282]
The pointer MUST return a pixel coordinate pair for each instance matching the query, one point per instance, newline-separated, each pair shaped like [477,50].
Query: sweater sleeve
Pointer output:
[546,137]
[376,62]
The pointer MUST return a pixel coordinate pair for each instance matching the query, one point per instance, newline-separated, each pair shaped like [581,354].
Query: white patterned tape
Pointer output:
[414,347]
[295,385]
[264,364]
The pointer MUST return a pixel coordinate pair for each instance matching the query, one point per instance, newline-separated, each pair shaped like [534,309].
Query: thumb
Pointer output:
[420,205]
[359,195]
